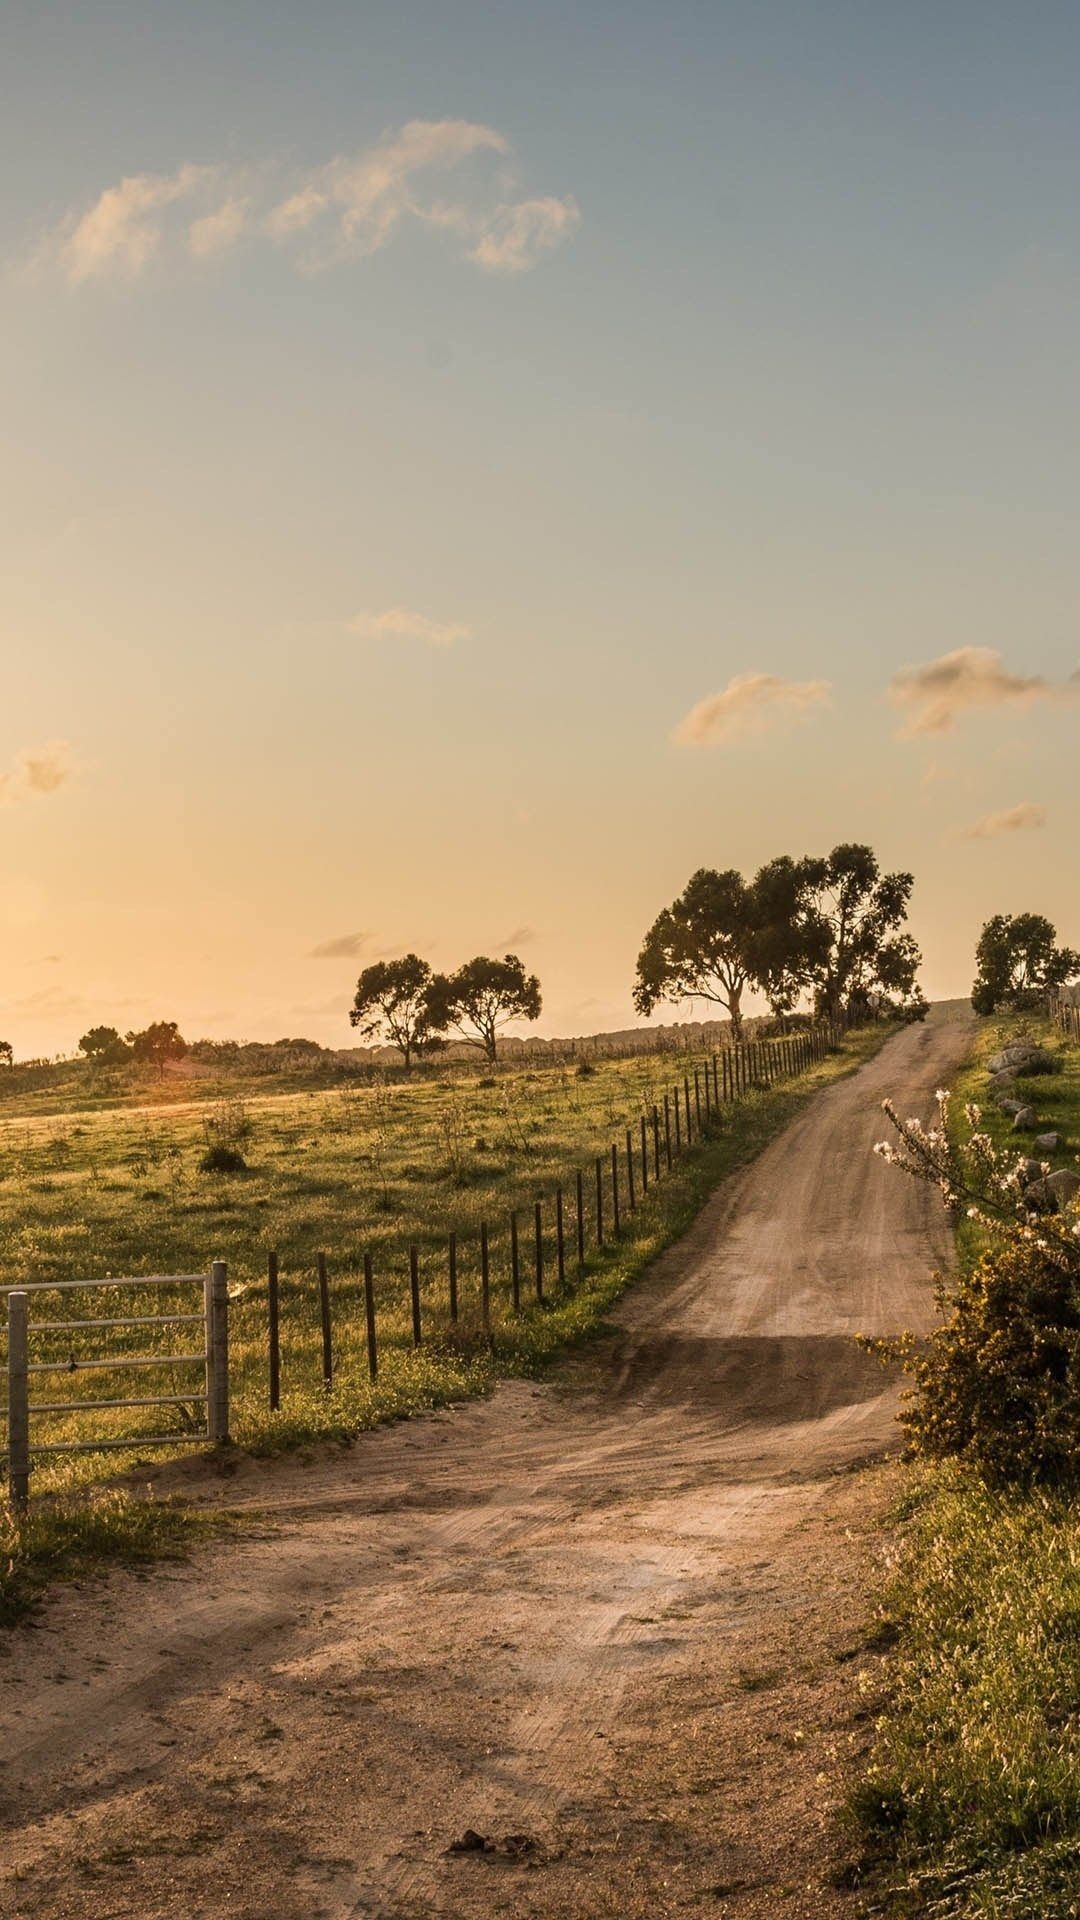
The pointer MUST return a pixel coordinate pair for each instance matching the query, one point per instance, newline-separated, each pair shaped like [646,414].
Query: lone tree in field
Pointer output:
[104,1046]
[7,1053]
[393,1000]
[859,912]
[1018,961]
[482,997]
[700,948]
[158,1043]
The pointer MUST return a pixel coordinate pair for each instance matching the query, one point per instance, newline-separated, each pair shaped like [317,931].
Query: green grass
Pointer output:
[973,1792]
[971,1801]
[341,1172]
[63,1540]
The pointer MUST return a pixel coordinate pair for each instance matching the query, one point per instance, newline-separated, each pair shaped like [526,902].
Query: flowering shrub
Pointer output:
[998,1383]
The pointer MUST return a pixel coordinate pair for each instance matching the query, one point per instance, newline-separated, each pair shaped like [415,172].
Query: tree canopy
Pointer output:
[701,946]
[1018,960]
[482,997]
[158,1043]
[830,926]
[7,1053]
[104,1045]
[393,999]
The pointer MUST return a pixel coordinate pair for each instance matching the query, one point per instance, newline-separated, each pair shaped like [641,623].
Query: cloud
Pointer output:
[1025,818]
[517,235]
[35,771]
[345,946]
[935,695]
[517,937]
[123,229]
[750,703]
[345,208]
[213,232]
[400,623]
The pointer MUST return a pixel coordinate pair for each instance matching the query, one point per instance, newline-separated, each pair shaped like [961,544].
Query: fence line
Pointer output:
[689,1117]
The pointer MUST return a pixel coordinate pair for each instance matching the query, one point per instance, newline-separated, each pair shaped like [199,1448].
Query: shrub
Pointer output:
[998,1384]
[222,1159]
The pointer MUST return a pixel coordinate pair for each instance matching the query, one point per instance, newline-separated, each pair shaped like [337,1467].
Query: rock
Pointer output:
[1055,1193]
[470,1842]
[1005,1077]
[1064,1185]
[1026,1120]
[1011,1106]
[1029,1170]
[1047,1142]
[1010,1057]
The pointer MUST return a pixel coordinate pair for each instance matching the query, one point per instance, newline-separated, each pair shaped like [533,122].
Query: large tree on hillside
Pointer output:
[7,1053]
[157,1044]
[482,997]
[392,1000]
[104,1045]
[860,914]
[701,947]
[1018,960]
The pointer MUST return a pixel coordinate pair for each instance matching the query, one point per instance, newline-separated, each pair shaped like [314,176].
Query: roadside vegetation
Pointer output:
[969,1808]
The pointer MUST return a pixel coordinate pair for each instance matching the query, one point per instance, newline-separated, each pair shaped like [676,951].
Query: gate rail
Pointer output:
[212,1359]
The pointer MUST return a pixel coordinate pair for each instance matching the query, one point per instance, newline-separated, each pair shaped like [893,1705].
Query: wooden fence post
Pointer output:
[644,1156]
[414,1294]
[369,1316]
[631,1196]
[579,1185]
[614,1189]
[451,1261]
[656,1141]
[560,1238]
[599,1175]
[273,1330]
[485,1280]
[678,1121]
[18,1399]
[539,1225]
[324,1318]
[515,1265]
[217,1385]
[667,1131]
[689,1121]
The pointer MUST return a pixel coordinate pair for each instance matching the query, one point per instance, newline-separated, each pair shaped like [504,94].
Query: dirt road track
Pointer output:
[548,1617]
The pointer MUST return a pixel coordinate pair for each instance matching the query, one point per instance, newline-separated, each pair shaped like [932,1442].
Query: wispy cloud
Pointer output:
[517,937]
[400,623]
[344,208]
[750,703]
[36,771]
[344,946]
[935,695]
[1025,818]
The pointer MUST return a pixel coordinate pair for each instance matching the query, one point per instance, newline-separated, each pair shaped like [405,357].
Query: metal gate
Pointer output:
[210,1290]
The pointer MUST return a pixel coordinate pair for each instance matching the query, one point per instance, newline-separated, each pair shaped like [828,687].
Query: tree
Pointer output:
[1018,960]
[7,1053]
[859,912]
[699,948]
[160,1042]
[104,1046]
[393,999]
[481,997]
[788,935]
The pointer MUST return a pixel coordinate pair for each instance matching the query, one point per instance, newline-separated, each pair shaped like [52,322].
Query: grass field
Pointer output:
[343,1171]
[972,1798]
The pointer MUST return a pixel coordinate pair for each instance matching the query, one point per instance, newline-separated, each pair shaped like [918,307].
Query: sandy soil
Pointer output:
[605,1623]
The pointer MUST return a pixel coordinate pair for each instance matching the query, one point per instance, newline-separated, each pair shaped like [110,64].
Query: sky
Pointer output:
[465,466]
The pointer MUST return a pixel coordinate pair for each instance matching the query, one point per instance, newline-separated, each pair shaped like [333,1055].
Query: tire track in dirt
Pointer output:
[452,1624]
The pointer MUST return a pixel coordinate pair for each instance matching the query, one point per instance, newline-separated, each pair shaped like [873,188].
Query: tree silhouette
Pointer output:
[481,997]
[1018,960]
[158,1043]
[700,948]
[393,999]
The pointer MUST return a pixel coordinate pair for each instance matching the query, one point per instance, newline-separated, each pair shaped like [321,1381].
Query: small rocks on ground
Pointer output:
[1026,1120]
[1047,1142]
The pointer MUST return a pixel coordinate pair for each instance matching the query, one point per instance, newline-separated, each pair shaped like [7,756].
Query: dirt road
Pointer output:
[578,1619]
